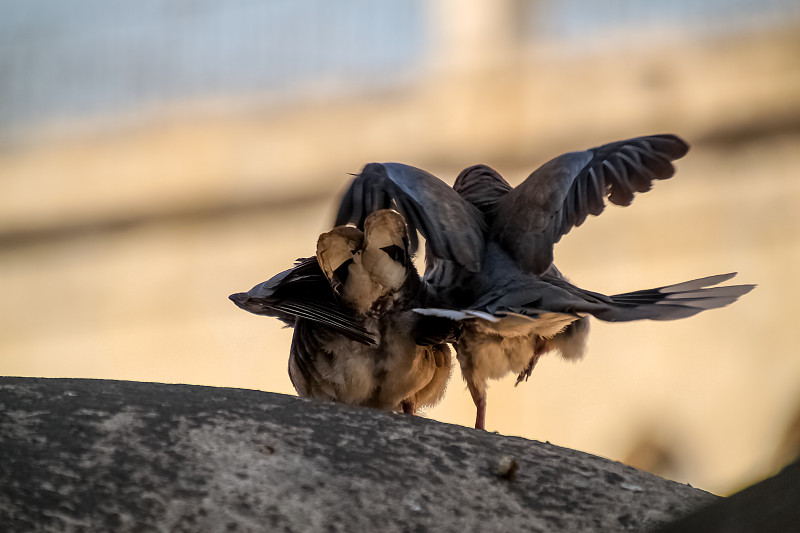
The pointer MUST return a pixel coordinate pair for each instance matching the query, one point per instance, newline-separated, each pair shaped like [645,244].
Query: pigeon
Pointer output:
[356,337]
[489,253]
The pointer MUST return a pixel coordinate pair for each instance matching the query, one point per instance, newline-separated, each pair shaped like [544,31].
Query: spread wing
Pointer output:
[564,191]
[454,229]
[302,292]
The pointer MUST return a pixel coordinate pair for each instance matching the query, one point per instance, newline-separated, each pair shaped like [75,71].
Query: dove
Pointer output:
[356,339]
[489,253]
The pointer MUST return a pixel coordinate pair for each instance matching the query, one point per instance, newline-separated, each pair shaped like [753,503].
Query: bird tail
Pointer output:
[672,301]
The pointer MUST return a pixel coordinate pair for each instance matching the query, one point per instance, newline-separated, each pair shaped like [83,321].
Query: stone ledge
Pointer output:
[96,455]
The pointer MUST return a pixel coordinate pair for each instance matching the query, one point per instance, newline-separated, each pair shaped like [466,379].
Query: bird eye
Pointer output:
[396,253]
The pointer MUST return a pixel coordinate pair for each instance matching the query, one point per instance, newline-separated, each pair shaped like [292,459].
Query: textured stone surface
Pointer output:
[91,455]
[770,506]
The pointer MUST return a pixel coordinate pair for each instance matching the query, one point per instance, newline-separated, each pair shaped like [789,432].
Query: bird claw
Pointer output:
[525,374]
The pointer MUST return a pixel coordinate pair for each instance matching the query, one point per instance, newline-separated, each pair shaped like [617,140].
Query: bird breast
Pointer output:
[361,292]
[386,375]
[410,367]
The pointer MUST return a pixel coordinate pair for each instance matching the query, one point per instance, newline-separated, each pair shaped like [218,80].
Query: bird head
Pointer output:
[366,270]
[385,256]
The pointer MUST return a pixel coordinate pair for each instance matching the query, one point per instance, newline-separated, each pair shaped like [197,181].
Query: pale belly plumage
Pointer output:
[383,376]
[490,349]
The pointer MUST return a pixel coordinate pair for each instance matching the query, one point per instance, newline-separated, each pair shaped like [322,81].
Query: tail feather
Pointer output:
[673,301]
[699,283]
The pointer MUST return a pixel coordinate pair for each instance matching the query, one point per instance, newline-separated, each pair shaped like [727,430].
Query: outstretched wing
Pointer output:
[564,191]
[302,292]
[454,229]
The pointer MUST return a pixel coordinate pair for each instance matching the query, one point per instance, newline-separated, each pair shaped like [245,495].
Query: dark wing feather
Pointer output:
[307,354]
[302,292]
[564,191]
[453,228]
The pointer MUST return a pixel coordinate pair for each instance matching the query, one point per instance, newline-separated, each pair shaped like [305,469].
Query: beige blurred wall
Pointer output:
[119,246]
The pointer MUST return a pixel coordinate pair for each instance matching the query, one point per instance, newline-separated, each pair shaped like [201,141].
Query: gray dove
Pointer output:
[489,252]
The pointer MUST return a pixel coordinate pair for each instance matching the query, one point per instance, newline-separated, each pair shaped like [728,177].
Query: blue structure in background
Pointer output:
[87,58]
[93,56]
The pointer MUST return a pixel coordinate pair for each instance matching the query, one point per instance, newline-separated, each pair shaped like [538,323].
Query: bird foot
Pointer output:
[408,407]
[525,374]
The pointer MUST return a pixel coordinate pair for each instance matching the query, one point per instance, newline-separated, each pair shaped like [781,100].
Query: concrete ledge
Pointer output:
[95,455]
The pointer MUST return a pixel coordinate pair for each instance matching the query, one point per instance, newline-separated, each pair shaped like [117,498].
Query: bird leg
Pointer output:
[479,397]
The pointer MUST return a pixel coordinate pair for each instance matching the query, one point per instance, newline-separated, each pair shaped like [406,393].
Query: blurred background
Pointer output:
[158,156]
